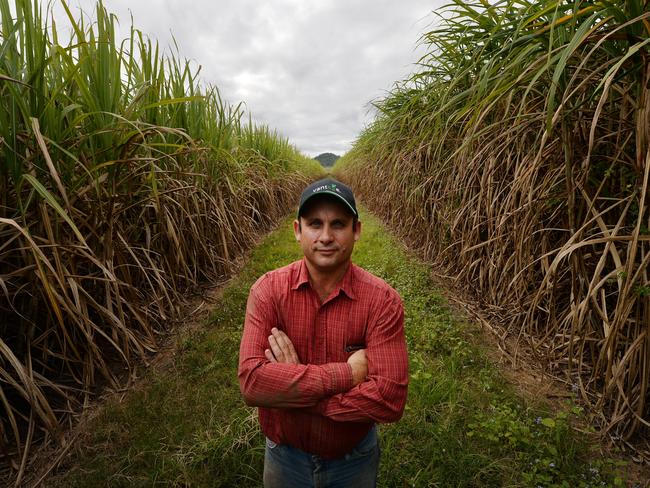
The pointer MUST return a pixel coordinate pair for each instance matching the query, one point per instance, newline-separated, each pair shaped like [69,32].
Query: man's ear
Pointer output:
[296,229]
[357,231]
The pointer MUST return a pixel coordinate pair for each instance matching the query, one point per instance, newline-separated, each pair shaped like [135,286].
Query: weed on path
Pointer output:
[463,425]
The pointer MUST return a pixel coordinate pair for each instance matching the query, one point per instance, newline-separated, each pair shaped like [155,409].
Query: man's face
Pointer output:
[326,234]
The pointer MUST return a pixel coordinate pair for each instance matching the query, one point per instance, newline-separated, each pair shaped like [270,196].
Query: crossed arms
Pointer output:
[281,350]
[370,386]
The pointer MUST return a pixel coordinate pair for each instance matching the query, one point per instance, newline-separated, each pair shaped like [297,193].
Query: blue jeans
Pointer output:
[288,467]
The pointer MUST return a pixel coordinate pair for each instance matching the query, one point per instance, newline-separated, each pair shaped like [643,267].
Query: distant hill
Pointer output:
[327,159]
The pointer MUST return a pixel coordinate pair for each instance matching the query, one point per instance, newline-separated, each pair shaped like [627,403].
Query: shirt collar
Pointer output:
[301,277]
[346,285]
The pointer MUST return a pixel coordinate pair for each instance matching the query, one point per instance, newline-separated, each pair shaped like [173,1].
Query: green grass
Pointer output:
[463,425]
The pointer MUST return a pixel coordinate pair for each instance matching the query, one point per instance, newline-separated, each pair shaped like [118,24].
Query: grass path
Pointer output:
[464,426]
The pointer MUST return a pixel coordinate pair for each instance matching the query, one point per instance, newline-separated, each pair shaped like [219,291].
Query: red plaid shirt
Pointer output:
[312,406]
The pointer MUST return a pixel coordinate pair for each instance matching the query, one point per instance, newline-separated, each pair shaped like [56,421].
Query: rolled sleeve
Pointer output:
[338,377]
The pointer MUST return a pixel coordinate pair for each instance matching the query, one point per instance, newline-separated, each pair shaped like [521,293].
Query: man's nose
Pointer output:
[326,234]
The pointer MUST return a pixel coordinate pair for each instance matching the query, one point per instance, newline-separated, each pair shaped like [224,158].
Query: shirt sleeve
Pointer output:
[266,384]
[382,397]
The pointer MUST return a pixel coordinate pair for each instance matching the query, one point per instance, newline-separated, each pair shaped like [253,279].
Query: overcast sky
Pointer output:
[307,68]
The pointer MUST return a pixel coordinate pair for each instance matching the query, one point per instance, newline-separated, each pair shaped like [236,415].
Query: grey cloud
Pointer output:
[307,69]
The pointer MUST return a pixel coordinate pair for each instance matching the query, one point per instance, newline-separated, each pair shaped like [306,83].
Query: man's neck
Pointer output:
[323,281]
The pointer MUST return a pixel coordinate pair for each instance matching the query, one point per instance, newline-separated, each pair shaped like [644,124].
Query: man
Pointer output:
[323,353]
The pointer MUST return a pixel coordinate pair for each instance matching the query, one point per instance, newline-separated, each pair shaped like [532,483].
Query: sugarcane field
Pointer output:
[200,200]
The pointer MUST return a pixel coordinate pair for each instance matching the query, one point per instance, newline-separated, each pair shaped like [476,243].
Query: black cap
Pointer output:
[328,186]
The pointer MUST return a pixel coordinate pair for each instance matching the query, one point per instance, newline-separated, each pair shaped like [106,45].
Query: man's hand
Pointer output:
[359,364]
[282,350]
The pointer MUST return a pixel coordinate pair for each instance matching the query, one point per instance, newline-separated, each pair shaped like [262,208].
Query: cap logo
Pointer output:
[326,187]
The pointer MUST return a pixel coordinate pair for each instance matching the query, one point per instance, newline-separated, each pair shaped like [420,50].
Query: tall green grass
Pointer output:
[123,182]
[517,158]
